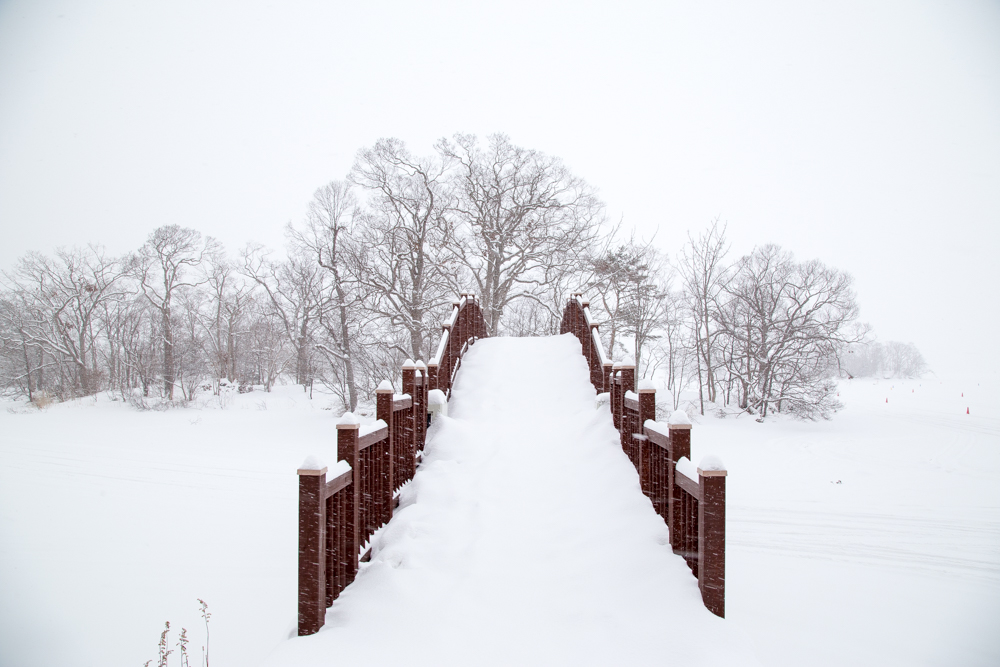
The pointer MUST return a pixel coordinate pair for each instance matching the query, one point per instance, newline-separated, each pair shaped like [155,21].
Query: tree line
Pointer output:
[366,278]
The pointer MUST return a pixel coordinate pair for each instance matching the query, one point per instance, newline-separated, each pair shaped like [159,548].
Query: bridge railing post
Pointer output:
[420,406]
[680,447]
[410,387]
[712,538]
[627,374]
[347,450]
[647,410]
[383,411]
[312,547]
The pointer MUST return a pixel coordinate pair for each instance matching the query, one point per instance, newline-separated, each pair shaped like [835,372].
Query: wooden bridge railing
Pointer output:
[338,517]
[462,328]
[691,500]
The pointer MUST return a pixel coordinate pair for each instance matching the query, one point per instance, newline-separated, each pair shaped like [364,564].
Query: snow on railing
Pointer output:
[691,499]
[442,347]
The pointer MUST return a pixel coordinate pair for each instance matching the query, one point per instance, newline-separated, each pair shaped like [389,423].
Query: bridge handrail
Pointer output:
[577,320]
[694,511]
[337,518]
[464,326]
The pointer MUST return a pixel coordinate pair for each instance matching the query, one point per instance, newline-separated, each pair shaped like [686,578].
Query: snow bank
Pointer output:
[436,397]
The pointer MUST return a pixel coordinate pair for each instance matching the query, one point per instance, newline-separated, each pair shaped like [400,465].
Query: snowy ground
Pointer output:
[113,521]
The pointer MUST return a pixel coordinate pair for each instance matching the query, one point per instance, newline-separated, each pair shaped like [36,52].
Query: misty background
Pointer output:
[865,136]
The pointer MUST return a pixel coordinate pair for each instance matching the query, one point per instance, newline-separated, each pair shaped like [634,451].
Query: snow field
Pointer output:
[523,539]
[113,521]
[883,523]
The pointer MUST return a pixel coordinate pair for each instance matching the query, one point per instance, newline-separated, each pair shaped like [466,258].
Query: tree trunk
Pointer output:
[168,354]
[27,370]
[345,345]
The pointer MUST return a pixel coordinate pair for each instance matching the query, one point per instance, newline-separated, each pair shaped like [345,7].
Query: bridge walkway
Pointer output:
[524,539]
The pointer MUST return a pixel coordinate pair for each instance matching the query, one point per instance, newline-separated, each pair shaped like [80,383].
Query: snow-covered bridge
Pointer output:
[532,531]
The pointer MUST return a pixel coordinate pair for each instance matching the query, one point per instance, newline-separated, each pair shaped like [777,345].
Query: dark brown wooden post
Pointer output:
[627,374]
[419,405]
[409,428]
[616,397]
[312,547]
[712,539]
[432,373]
[647,410]
[596,369]
[628,377]
[608,371]
[383,411]
[680,446]
[447,361]
[347,450]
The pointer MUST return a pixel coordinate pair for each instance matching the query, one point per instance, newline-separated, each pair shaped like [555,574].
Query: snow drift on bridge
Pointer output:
[523,539]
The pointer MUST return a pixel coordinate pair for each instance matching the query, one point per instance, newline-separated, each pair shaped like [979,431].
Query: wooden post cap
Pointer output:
[385,387]
[312,466]
[711,466]
[348,421]
[679,419]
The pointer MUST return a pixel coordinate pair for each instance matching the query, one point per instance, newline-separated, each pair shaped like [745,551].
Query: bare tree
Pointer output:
[701,268]
[297,292]
[223,320]
[891,359]
[67,294]
[166,264]
[326,238]
[631,281]
[788,321]
[522,219]
[400,260]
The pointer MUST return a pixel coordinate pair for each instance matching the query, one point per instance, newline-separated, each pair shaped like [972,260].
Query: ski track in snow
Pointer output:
[939,546]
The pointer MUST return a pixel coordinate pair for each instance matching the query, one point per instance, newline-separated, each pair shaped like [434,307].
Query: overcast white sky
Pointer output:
[863,134]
